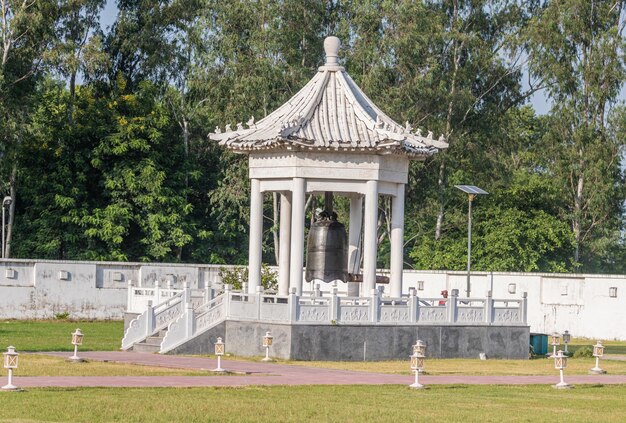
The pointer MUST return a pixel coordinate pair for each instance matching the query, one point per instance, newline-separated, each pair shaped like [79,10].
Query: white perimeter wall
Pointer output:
[98,290]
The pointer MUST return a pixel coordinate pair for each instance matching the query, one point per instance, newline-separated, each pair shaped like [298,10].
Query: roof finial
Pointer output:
[331,47]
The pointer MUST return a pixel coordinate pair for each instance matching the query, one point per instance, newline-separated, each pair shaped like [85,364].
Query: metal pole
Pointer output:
[3,230]
[469,242]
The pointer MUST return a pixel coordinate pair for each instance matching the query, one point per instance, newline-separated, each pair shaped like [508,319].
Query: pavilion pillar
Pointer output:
[297,234]
[397,242]
[370,237]
[256,236]
[284,249]
[354,238]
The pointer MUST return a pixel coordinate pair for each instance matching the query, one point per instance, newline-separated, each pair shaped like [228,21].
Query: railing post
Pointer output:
[157,292]
[293,304]
[524,306]
[374,304]
[186,292]
[208,292]
[149,319]
[412,305]
[259,298]
[316,291]
[333,304]
[189,320]
[452,305]
[489,309]
[130,296]
[227,300]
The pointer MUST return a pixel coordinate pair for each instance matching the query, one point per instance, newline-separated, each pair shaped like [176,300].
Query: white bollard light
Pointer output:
[598,351]
[268,340]
[567,337]
[556,341]
[417,362]
[77,339]
[560,363]
[219,352]
[10,363]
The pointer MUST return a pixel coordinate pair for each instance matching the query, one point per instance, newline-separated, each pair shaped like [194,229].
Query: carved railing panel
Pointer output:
[430,314]
[313,313]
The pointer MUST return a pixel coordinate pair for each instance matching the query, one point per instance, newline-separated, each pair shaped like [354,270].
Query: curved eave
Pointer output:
[280,144]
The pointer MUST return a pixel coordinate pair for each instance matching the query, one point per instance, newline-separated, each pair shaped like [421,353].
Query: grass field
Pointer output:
[56,335]
[319,403]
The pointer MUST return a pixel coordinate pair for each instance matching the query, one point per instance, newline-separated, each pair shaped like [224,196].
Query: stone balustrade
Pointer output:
[186,318]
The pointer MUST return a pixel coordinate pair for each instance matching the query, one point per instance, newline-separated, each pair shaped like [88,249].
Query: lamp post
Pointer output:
[268,340]
[219,352]
[471,191]
[556,341]
[560,363]
[10,363]
[598,351]
[77,339]
[417,362]
[566,340]
[6,202]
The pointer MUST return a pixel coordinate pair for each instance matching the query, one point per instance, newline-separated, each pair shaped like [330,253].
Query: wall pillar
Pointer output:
[397,242]
[296,258]
[370,236]
[256,235]
[284,249]
[354,241]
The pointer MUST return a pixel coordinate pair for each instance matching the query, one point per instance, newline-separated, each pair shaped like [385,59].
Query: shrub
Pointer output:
[583,352]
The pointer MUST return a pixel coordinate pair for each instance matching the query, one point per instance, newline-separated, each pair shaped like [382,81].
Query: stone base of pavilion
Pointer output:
[330,327]
[314,342]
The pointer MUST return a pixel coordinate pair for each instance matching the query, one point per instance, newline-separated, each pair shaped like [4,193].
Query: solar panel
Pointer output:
[471,189]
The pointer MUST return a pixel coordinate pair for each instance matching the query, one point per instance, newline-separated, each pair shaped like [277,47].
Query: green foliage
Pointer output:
[237,275]
[584,352]
[119,168]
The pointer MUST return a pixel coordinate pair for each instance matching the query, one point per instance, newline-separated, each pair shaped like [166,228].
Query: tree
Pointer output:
[577,47]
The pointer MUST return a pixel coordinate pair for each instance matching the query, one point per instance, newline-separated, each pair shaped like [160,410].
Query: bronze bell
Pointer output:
[327,250]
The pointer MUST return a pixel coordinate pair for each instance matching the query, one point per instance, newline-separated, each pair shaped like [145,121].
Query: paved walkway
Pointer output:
[259,373]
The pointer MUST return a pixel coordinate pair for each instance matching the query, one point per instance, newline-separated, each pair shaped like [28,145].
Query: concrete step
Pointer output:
[146,348]
[153,340]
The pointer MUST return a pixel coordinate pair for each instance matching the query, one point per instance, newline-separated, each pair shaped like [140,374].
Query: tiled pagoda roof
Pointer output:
[330,112]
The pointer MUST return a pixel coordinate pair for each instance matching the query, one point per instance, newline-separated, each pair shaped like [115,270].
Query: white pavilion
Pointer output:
[329,137]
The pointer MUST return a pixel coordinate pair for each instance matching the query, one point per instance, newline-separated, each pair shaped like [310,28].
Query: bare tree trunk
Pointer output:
[441,181]
[577,219]
[13,194]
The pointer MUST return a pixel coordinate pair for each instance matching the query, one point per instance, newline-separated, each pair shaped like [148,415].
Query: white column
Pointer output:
[354,238]
[297,234]
[369,236]
[284,250]
[397,241]
[256,236]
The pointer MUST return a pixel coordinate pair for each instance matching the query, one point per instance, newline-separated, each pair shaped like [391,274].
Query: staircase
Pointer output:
[152,344]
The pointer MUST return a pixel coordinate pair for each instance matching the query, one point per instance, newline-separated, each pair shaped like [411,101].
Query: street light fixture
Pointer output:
[556,341]
[417,362]
[567,337]
[560,363]
[471,191]
[598,351]
[10,363]
[77,339]
[219,352]
[6,202]
[268,340]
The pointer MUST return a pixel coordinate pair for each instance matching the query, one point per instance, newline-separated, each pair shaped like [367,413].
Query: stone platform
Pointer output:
[362,342]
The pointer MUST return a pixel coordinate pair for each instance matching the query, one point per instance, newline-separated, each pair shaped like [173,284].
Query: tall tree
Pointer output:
[577,46]
[25,33]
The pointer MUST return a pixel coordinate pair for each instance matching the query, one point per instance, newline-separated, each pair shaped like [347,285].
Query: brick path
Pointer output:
[259,373]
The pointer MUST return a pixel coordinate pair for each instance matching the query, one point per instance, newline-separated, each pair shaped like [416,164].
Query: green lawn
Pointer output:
[318,403]
[56,335]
